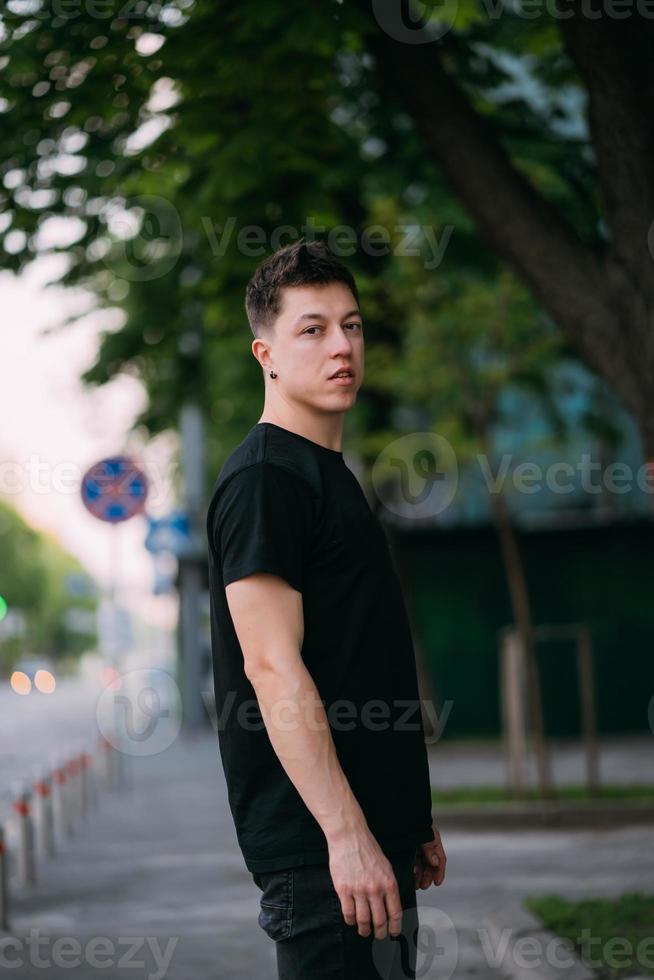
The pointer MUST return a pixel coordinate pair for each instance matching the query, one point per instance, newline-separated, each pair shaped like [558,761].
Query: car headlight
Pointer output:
[44,681]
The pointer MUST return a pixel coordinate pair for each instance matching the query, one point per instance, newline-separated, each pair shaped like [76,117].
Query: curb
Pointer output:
[536,815]
[524,949]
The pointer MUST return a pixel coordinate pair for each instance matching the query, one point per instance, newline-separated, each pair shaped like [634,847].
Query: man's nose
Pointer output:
[341,345]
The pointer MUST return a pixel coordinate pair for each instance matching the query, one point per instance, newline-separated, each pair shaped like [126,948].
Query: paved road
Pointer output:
[160,865]
[35,727]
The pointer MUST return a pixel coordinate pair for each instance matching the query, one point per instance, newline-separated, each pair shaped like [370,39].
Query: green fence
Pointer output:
[601,575]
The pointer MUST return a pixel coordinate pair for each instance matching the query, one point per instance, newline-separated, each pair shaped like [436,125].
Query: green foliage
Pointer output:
[274,115]
[498,794]
[34,570]
[604,931]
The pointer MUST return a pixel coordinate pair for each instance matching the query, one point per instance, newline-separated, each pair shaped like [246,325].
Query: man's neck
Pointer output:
[327,431]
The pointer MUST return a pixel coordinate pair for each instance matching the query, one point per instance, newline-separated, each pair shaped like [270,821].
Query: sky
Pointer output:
[54,428]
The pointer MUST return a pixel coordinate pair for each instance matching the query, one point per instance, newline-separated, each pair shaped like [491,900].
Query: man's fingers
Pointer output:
[442,861]
[426,874]
[378,911]
[363,915]
[349,910]
[433,857]
[379,916]
[423,872]
[394,911]
[439,867]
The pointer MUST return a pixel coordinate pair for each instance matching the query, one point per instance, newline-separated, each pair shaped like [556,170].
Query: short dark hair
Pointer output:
[300,264]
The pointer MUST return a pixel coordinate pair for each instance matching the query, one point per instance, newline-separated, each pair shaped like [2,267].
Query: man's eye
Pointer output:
[358,326]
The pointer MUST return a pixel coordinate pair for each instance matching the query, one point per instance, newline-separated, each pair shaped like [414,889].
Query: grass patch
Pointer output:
[615,937]
[498,794]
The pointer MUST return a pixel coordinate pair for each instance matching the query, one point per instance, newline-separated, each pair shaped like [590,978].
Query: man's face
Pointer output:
[318,331]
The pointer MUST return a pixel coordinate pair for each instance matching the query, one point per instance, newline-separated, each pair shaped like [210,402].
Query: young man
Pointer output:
[319,718]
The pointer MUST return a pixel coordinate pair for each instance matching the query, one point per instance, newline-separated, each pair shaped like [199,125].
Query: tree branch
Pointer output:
[615,60]
[566,276]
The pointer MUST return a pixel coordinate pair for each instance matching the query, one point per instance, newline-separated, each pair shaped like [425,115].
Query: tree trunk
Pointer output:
[521,606]
[600,294]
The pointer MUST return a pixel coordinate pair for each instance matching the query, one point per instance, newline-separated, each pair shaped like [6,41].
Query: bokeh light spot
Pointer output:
[20,682]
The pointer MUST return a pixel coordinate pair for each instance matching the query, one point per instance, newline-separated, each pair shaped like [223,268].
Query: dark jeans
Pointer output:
[301,911]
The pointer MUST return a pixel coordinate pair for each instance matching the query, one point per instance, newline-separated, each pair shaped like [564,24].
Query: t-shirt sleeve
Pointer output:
[262,523]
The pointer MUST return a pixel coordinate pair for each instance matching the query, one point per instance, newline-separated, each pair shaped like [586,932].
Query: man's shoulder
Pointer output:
[262,448]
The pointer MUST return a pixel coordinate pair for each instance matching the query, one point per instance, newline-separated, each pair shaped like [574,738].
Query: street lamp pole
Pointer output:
[191,566]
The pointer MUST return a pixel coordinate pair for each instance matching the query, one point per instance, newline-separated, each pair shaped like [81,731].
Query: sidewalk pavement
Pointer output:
[157,873]
[623,759]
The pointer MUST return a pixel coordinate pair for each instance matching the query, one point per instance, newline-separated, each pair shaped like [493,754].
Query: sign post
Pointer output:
[114,490]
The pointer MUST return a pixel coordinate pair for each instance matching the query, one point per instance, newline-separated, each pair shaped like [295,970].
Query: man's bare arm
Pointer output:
[268,619]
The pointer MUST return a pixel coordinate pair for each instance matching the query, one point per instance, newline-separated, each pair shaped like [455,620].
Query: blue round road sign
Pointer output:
[114,489]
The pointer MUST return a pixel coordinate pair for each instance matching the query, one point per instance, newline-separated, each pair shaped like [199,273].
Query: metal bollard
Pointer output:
[76,769]
[25,854]
[91,779]
[43,816]
[60,809]
[84,783]
[71,794]
[73,788]
[119,763]
[4,892]
[106,761]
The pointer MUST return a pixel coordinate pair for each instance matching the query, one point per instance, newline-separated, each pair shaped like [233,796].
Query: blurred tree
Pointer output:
[513,158]
[185,141]
[466,344]
[34,576]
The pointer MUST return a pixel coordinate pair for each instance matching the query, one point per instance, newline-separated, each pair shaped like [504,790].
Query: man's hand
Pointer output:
[366,885]
[430,862]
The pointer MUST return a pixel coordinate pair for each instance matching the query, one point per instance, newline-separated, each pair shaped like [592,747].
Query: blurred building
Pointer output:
[587,551]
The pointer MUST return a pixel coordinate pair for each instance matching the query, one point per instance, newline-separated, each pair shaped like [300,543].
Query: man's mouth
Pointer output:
[343,378]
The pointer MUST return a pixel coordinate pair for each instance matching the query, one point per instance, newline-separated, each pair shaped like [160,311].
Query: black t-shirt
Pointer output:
[286,505]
